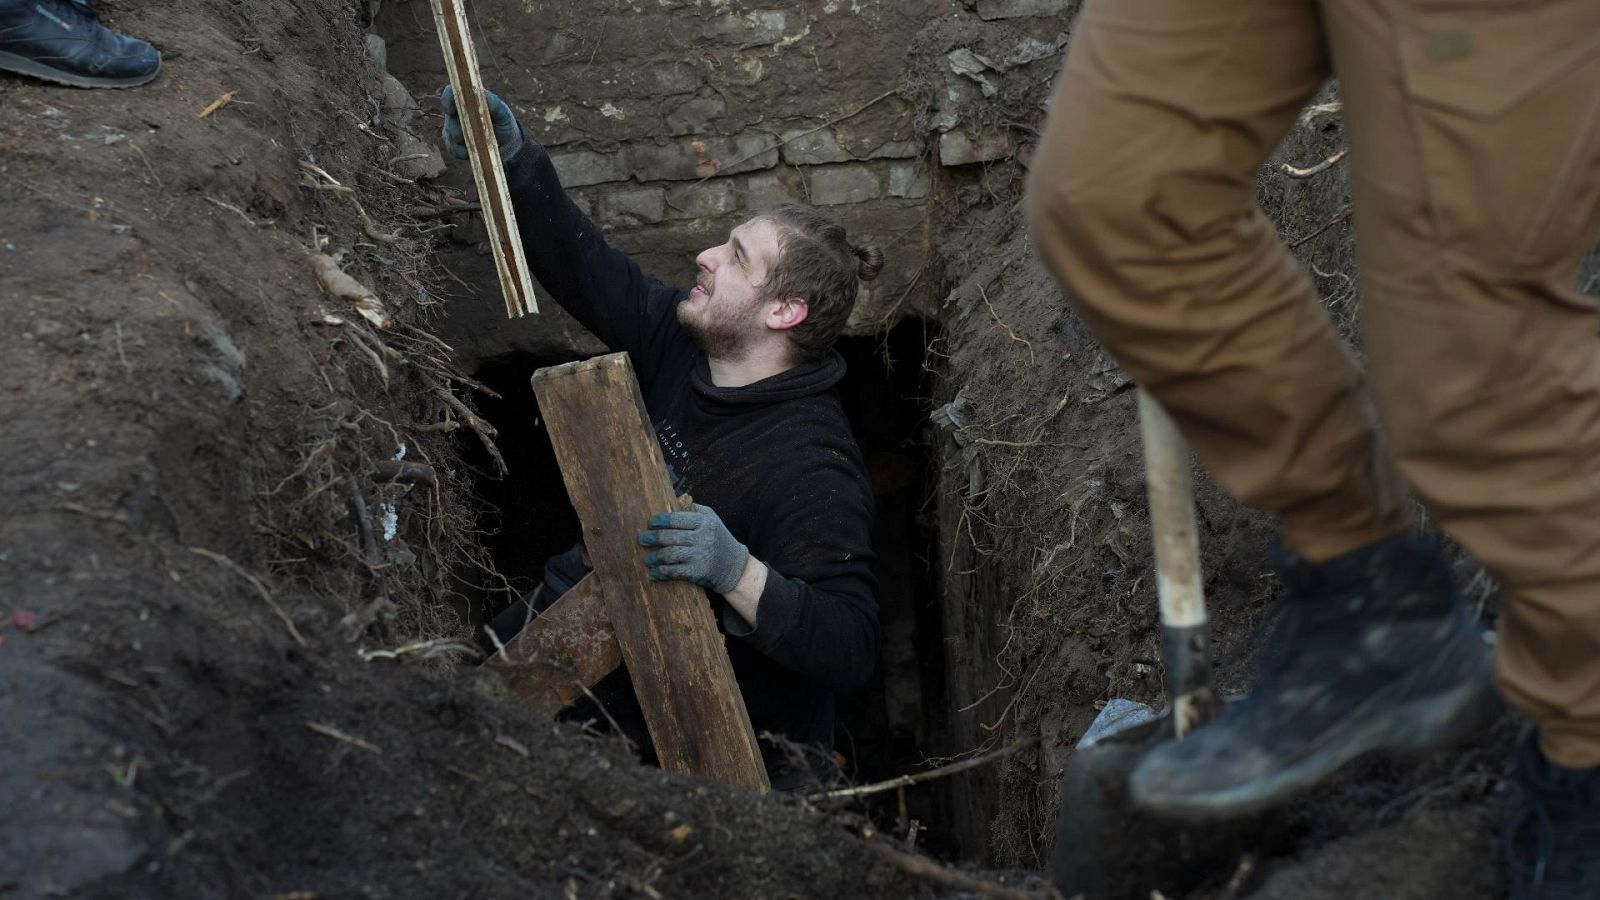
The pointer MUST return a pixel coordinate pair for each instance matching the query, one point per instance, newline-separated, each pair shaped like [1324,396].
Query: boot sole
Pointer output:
[1420,725]
[22,65]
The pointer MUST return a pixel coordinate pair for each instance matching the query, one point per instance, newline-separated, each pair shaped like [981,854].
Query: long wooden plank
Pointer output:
[617,480]
[455,38]
[565,649]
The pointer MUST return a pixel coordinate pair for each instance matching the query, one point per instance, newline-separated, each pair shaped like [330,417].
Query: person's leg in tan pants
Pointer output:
[1475,134]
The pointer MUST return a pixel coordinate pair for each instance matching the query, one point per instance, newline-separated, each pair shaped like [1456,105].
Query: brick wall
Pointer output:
[671,121]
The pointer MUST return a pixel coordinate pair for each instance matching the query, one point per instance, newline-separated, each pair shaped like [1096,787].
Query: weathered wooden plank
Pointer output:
[566,648]
[455,38]
[618,480]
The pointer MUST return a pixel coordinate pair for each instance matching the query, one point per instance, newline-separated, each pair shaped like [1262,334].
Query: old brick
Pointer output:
[716,197]
[696,116]
[835,185]
[908,180]
[1016,9]
[887,122]
[583,201]
[584,167]
[747,72]
[641,205]
[761,191]
[897,150]
[813,149]
[695,158]
[756,28]
[677,78]
[956,148]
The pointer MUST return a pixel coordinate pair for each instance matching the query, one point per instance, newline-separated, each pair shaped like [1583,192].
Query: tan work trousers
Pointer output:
[1474,129]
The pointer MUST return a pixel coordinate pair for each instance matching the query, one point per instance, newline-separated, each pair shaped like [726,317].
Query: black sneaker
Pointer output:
[1372,651]
[1553,836]
[63,41]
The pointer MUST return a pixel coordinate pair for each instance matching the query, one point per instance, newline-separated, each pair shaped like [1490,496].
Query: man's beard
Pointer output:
[719,333]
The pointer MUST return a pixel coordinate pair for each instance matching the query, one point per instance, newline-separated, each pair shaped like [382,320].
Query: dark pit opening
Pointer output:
[895,725]
[526,517]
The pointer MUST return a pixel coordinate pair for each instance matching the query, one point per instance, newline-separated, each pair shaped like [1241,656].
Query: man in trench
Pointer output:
[737,375]
[1474,132]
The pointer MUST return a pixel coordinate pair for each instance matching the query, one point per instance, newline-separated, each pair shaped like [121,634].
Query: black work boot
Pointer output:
[1553,836]
[63,41]
[1372,651]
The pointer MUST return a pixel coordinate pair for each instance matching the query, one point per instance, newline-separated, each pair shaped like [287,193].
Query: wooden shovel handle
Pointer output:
[1185,646]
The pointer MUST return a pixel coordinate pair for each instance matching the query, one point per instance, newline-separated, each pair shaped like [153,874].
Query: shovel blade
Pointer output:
[1106,849]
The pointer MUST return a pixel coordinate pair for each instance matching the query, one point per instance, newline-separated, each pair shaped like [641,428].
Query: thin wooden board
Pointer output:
[455,39]
[565,649]
[617,480]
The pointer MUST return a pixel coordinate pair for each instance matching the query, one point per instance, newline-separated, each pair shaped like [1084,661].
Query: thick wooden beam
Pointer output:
[617,480]
[565,649]
[455,38]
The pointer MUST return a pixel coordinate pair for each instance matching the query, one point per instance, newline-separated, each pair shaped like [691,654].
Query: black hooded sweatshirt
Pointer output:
[775,459]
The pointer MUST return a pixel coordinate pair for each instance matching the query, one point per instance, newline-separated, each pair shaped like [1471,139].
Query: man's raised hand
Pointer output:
[693,545]
[507,133]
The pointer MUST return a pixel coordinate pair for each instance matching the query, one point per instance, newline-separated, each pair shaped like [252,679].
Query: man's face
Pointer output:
[724,311]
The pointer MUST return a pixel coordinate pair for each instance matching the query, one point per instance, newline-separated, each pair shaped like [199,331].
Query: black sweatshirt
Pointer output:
[775,459]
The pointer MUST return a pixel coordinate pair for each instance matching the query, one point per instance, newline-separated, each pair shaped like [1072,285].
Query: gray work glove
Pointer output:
[694,546]
[506,131]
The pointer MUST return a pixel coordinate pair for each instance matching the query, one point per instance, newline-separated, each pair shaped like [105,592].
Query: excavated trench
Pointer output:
[895,724]
[669,126]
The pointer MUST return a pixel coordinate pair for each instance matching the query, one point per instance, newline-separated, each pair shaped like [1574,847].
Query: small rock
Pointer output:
[958,149]
[1032,50]
[378,49]
[967,63]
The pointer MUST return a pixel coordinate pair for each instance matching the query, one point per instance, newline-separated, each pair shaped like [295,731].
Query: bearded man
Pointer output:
[737,375]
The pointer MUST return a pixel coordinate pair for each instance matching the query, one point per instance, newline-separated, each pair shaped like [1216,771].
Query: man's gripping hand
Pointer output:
[506,131]
[694,545]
